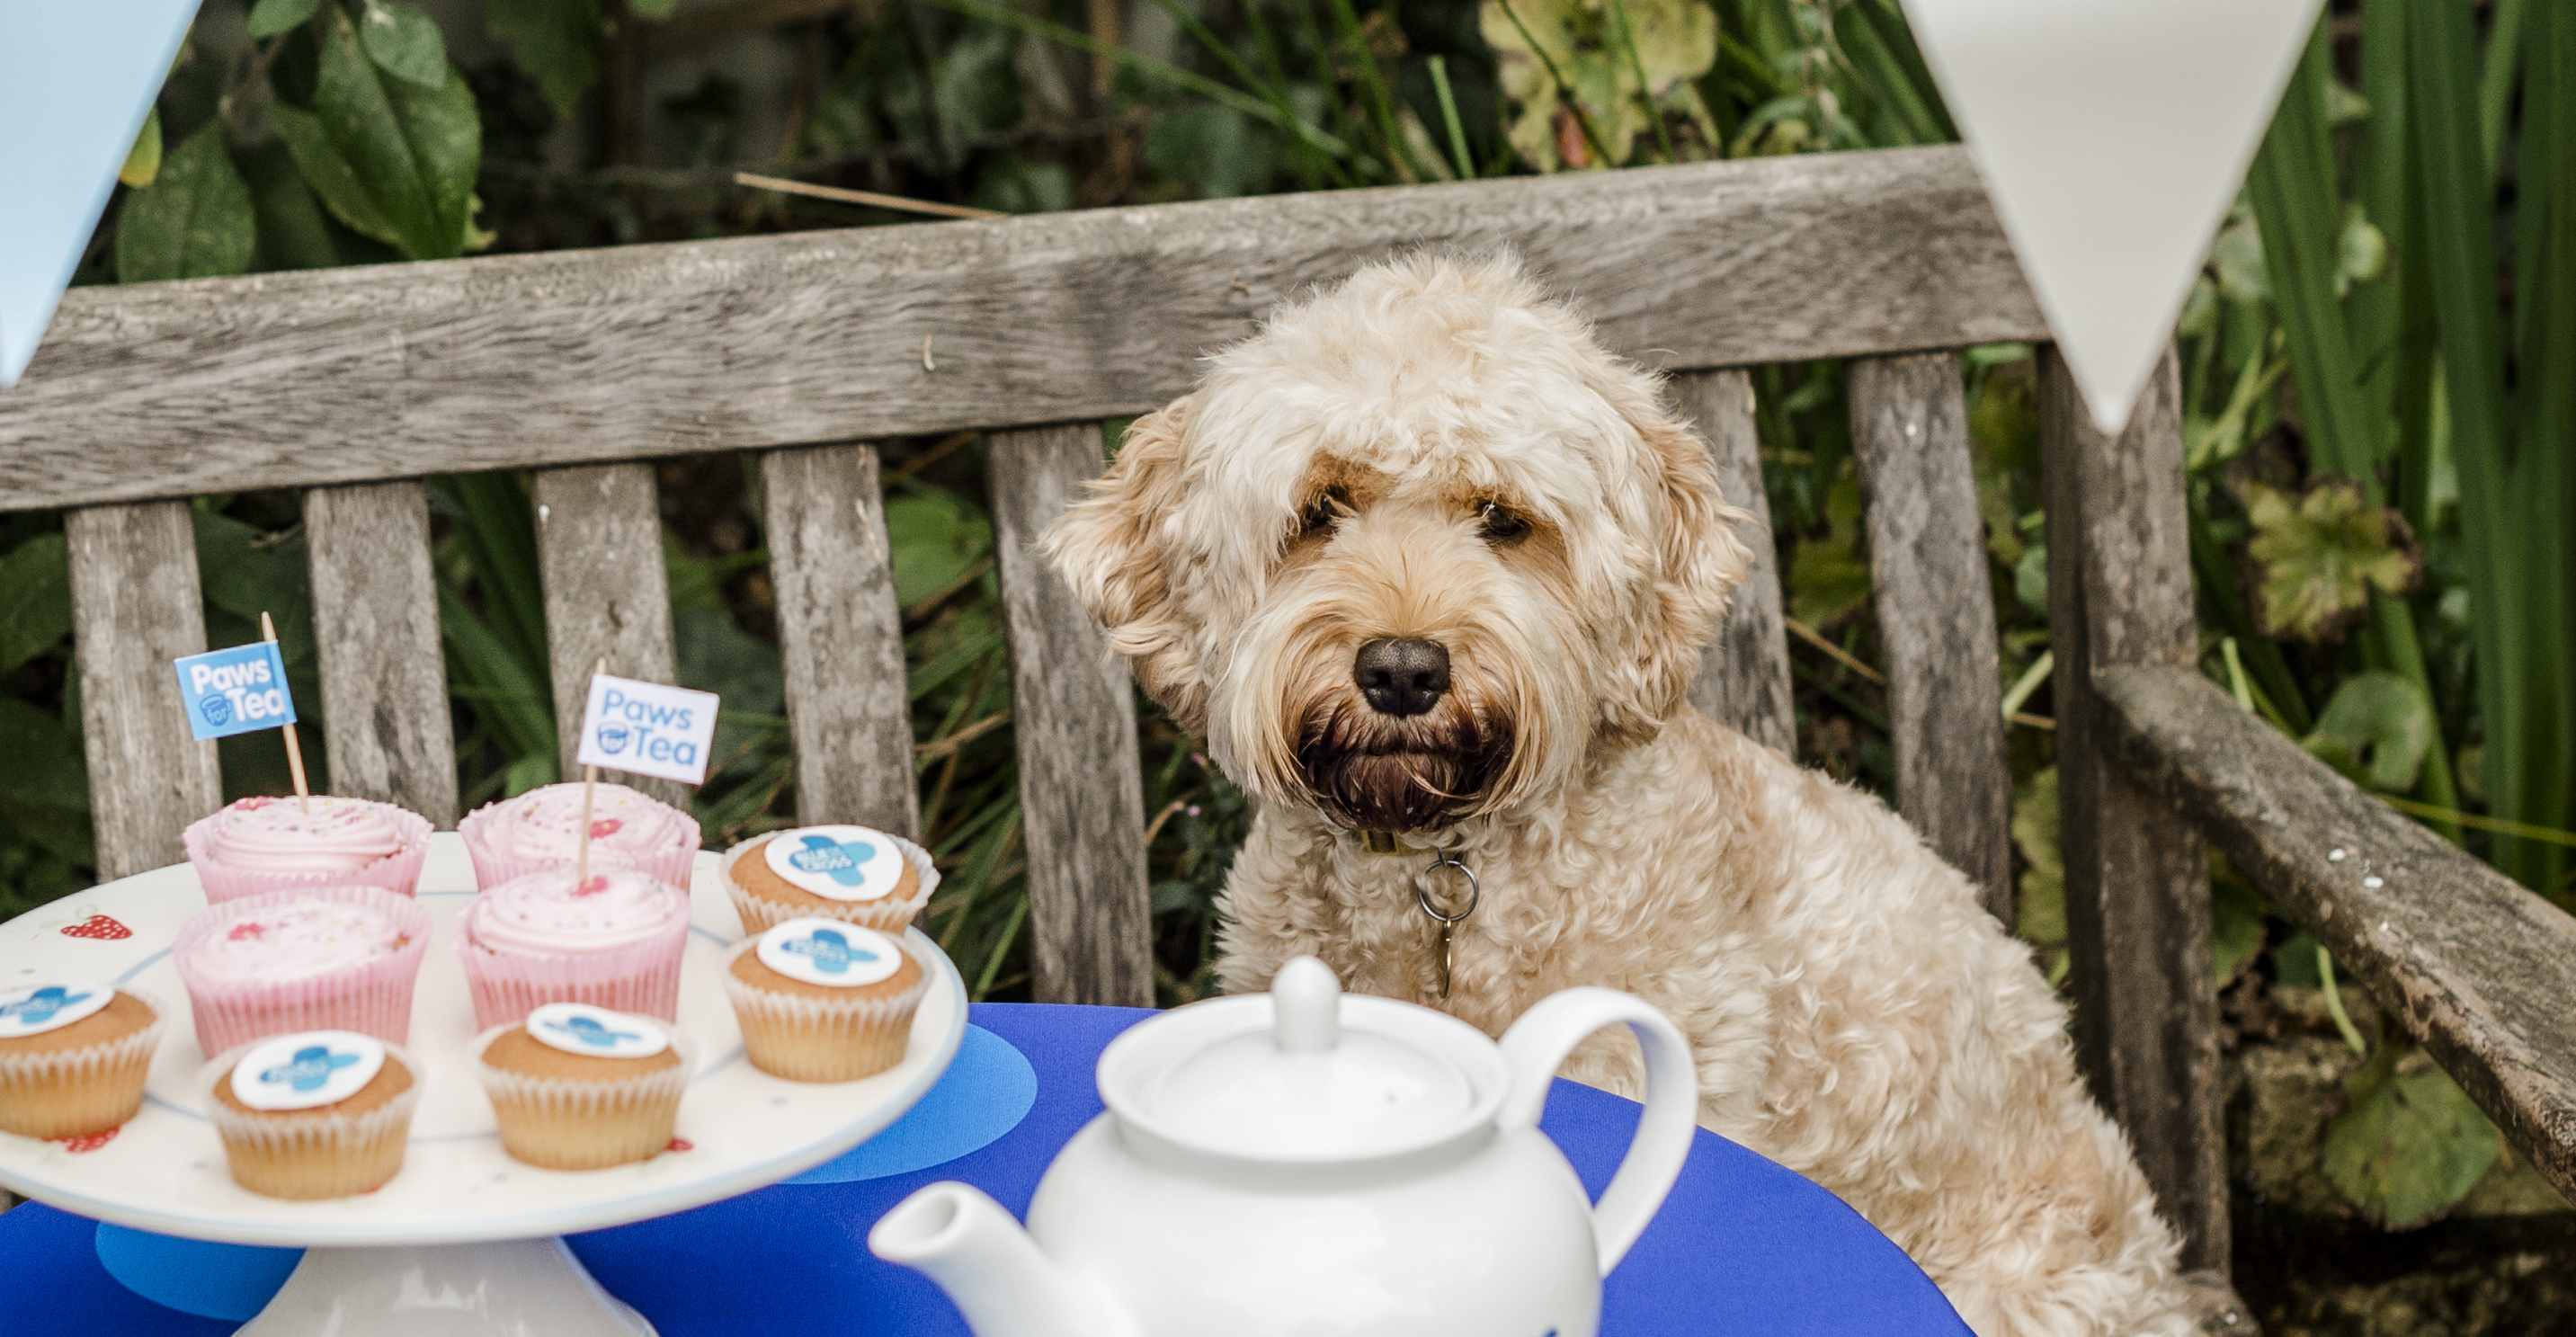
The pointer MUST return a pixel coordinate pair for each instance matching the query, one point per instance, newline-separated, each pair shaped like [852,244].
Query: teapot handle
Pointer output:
[1537,1045]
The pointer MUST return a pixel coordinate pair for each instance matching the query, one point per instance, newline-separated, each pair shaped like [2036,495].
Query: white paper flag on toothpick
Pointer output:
[2112,135]
[76,77]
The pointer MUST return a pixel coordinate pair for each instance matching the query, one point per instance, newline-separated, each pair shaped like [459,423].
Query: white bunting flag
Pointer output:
[2112,135]
[645,728]
[76,77]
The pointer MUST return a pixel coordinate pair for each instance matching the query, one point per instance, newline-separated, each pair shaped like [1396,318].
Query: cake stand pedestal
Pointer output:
[464,1242]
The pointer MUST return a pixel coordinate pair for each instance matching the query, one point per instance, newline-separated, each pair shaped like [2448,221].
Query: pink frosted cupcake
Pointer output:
[321,958]
[541,829]
[613,942]
[278,844]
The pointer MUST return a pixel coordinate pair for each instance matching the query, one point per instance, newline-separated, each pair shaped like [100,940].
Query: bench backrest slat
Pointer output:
[384,680]
[1936,613]
[2137,879]
[608,594]
[840,638]
[1073,713]
[531,361]
[136,605]
[1744,674]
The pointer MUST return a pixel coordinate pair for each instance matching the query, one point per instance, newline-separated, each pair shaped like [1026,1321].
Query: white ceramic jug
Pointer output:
[1302,1163]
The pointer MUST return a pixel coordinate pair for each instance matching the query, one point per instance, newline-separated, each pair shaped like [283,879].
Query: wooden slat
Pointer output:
[1743,678]
[135,607]
[375,621]
[2137,880]
[840,638]
[1936,613]
[1082,802]
[599,553]
[343,375]
[2479,969]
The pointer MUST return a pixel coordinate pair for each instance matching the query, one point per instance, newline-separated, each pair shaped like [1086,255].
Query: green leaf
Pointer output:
[404,42]
[268,18]
[935,536]
[35,602]
[244,574]
[556,41]
[293,234]
[2411,1144]
[45,769]
[2040,909]
[196,220]
[2320,553]
[2377,729]
[2236,914]
[331,176]
[143,161]
[1827,577]
[2237,255]
[409,151]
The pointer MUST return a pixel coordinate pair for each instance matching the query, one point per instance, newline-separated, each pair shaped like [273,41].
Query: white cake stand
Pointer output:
[464,1242]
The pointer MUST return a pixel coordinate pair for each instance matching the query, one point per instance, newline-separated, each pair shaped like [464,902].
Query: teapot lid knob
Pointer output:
[1308,1003]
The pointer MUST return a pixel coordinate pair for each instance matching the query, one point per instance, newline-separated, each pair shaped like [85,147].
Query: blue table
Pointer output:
[1742,1245]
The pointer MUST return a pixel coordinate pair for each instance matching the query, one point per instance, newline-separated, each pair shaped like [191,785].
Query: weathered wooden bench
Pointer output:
[355,383]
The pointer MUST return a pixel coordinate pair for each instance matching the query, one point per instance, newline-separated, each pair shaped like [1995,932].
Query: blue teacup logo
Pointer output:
[830,952]
[39,1007]
[217,710]
[309,1069]
[840,859]
[613,738]
[588,1031]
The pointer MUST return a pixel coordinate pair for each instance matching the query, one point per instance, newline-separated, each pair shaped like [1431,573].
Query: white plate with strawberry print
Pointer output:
[164,1171]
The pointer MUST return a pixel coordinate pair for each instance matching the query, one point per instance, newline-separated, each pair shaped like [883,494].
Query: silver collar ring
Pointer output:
[1422,893]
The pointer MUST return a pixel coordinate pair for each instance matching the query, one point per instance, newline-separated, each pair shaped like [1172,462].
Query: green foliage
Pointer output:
[1592,76]
[556,41]
[403,42]
[2411,1143]
[194,222]
[2321,555]
[143,161]
[268,18]
[2377,730]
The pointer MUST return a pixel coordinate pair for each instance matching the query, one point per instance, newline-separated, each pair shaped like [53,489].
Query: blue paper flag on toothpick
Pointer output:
[75,82]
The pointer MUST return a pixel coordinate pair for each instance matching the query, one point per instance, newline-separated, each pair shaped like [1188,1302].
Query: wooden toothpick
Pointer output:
[294,751]
[589,786]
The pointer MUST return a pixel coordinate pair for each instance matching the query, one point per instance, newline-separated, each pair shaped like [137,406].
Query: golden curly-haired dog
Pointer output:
[1421,558]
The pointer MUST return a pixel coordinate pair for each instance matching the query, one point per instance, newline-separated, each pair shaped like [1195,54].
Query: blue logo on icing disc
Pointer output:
[827,951]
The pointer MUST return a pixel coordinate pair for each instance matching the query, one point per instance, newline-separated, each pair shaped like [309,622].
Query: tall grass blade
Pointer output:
[2296,208]
[2524,763]
[1439,68]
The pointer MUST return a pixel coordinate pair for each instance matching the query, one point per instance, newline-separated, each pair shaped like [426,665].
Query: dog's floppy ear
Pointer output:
[1700,561]
[1110,549]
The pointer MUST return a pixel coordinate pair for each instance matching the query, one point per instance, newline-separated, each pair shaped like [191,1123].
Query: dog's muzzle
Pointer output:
[1372,773]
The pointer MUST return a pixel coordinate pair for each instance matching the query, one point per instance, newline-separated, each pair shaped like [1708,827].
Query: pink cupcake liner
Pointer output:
[640,977]
[373,998]
[398,872]
[887,914]
[676,866]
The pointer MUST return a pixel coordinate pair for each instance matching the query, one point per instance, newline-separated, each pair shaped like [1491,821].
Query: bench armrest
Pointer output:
[2468,961]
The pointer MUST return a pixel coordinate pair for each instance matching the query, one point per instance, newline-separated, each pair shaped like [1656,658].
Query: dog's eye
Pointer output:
[1497,524]
[1326,512]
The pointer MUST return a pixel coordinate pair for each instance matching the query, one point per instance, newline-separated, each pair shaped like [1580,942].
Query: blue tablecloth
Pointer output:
[1742,1246]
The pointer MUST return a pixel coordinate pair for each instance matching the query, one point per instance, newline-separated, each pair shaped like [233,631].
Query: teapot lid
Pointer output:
[1303,1074]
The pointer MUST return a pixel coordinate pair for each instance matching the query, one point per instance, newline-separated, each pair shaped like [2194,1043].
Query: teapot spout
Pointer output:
[990,1267]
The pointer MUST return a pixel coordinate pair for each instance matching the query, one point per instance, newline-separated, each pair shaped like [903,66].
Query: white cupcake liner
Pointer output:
[640,977]
[886,914]
[398,872]
[809,1039]
[308,1142]
[603,1103]
[373,998]
[675,866]
[77,1092]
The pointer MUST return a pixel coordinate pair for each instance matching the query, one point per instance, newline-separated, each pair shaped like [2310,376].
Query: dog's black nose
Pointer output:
[1402,677]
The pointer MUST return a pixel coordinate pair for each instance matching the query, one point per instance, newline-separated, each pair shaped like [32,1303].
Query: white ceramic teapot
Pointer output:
[1302,1163]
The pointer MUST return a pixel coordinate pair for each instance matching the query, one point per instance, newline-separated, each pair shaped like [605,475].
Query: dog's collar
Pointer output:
[1383,842]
